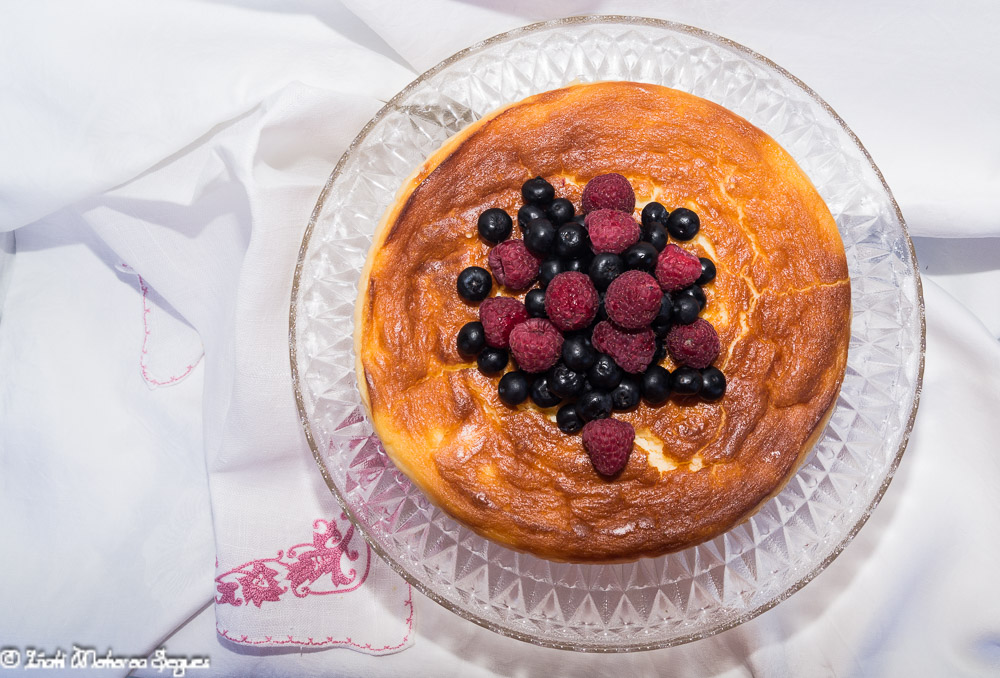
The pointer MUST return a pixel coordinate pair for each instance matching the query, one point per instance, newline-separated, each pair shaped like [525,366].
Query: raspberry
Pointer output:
[633,300]
[632,349]
[513,265]
[612,231]
[609,444]
[536,345]
[499,315]
[608,192]
[571,301]
[695,345]
[676,268]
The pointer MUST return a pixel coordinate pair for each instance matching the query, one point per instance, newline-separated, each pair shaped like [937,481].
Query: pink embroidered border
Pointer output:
[146,310]
[310,642]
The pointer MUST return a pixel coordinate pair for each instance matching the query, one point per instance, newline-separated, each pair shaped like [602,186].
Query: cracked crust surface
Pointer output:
[780,302]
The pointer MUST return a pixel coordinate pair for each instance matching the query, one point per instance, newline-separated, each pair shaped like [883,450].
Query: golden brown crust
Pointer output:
[780,302]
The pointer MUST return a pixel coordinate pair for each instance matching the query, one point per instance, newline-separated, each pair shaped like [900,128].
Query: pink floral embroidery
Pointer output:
[308,569]
[244,639]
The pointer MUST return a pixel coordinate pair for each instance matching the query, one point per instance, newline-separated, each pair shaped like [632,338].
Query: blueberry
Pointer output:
[713,383]
[683,224]
[605,268]
[662,322]
[495,225]
[560,211]
[534,301]
[492,360]
[605,373]
[626,395]
[471,339]
[527,214]
[594,405]
[578,354]
[602,312]
[685,310]
[656,384]
[654,213]
[542,395]
[696,293]
[579,219]
[576,265]
[656,236]
[513,388]
[564,382]
[640,257]
[474,283]
[537,191]
[568,418]
[572,241]
[549,269]
[685,381]
[660,353]
[540,237]
[707,271]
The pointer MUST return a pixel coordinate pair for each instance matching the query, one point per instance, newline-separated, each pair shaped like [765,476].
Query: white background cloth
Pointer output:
[189,141]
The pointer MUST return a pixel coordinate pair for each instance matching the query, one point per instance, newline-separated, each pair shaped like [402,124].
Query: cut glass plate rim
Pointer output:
[393,105]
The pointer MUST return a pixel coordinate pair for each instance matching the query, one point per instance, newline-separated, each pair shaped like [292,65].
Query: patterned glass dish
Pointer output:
[649,603]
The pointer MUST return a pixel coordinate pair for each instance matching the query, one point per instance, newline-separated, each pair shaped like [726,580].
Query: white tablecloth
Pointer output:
[914,594]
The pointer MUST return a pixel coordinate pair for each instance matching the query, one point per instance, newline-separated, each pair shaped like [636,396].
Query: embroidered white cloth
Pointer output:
[158,164]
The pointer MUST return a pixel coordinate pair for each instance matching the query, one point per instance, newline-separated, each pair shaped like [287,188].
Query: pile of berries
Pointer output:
[606,299]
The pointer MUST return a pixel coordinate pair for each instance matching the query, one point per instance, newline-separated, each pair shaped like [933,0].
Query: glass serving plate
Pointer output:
[649,603]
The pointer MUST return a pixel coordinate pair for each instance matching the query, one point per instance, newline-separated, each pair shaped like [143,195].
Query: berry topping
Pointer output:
[572,241]
[560,211]
[695,345]
[568,418]
[550,269]
[471,339]
[626,395]
[696,293]
[656,236]
[534,302]
[653,213]
[578,354]
[608,192]
[707,271]
[571,301]
[713,383]
[564,382]
[633,300]
[641,257]
[662,322]
[495,225]
[541,395]
[683,224]
[499,315]
[537,191]
[612,231]
[513,265]
[492,360]
[513,388]
[604,268]
[656,384]
[609,444]
[605,373]
[474,283]
[676,268]
[632,349]
[540,236]
[594,405]
[527,214]
[536,345]
[685,310]
[686,381]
